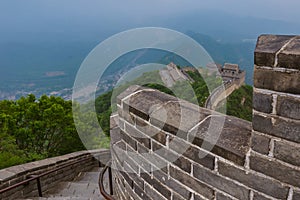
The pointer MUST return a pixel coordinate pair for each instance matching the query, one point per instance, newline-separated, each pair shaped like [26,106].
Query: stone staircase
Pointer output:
[83,187]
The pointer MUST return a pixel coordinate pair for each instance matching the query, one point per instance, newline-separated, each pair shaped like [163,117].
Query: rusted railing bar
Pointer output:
[110,181]
[101,186]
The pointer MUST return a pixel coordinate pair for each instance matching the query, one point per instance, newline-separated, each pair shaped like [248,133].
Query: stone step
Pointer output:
[75,189]
[91,177]
[83,187]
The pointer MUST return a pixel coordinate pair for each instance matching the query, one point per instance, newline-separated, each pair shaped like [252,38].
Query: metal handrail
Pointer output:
[37,177]
[101,186]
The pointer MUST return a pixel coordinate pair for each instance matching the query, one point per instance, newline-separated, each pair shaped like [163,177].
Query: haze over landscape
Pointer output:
[43,43]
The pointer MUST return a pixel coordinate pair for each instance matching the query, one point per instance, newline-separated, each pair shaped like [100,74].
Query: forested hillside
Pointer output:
[32,129]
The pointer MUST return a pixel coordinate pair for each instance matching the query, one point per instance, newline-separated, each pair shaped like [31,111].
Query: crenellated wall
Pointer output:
[77,162]
[161,150]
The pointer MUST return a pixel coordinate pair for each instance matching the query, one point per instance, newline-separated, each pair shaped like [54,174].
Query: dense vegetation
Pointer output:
[32,129]
[239,103]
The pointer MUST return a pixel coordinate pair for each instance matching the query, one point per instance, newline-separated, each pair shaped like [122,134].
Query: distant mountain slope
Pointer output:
[24,67]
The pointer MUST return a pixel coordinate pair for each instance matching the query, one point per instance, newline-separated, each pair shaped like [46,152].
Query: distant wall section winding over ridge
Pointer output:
[246,163]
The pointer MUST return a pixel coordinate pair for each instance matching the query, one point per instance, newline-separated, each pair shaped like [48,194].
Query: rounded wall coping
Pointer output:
[187,121]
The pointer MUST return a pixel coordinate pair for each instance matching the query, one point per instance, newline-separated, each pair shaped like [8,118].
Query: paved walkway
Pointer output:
[83,187]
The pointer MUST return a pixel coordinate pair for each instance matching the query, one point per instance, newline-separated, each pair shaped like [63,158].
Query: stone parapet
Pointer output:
[83,161]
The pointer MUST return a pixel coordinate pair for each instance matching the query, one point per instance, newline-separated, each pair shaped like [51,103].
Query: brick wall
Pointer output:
[16,174]
[158,142]
[276,111]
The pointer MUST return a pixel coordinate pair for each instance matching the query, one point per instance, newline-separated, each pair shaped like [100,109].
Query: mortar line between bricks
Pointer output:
[272,115]
[149,124]
[277,69]
[227,178]
[277,139]
[291,192]
[271,148]
[266,91]
[274,104]
[255,173]
[281,50]
[132,134]
[279,161]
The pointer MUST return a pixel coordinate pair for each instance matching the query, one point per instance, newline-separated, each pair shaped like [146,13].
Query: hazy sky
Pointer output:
[287,10]
[56,15]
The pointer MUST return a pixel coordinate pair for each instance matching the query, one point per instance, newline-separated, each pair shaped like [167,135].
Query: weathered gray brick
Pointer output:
[266,48]
[129,117]
[129,140]
[232,137]
[288,106]
[177,160]
[275,169]
[191,182]
[113,121]
[259,183]
[153,193]
[171,183]
[198,197]
[140,192]
[177,197]
[262,102]
[137,135]
[287,152]
[162,189]
[296,195]
[115,135]
[260,143]
[142,149]
[290,56]
[220,183]
[151,131]
[277,126]
[178,117]
[257,196]
[281,81]
[220,196]
[192,153]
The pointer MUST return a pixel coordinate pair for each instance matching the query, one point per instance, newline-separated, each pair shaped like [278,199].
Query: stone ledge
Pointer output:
[266,48]
[29,168]
[289,57]
[277,80]
[190,122]
[232,143]
[278,51]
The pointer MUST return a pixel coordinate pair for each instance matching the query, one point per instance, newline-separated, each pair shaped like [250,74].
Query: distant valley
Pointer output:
[51,70]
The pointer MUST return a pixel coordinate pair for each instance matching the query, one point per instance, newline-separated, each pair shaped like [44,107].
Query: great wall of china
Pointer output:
[258,161]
